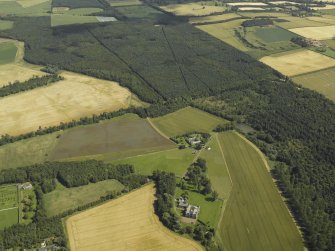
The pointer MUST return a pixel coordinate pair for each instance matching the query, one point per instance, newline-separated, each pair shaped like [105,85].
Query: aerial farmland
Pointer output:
[167,125]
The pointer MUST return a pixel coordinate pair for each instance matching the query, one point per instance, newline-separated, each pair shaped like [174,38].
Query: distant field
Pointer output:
[173,160]
[120,136]
[8,206]
[63,199]
[216,18]
[298,22]
[186,120]
[210,211]
[324,19]
[65,19]
[247,4]
[75,97]
[75,12]
[319,33]
[116,3]
[27,152]
[127,223]
[217,168]
[273,34]
[5,25]
[255,217]
[15,8]
[7,52]
[192,9]
[30,3]
[298,62]
[320,81]
[138,11]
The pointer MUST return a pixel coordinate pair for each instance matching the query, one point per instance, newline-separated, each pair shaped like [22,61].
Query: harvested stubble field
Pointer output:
[126,223]
[216,18]
[187,120]
[298,62]
[192,9]
[62,198]
[319,33]
[72,98]
[321,81]
[127,134]
[255,217]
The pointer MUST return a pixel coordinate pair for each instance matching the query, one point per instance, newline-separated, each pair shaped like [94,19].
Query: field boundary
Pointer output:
[157,130]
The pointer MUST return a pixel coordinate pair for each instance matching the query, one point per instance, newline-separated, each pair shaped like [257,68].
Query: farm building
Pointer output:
[182,202]
[25,186]
[192,211]
[194,141]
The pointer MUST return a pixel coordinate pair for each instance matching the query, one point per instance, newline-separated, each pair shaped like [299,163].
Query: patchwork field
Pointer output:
[186,120]
[319,33]
[127,223]
[298,62]
[192,9]
[173,160]
[120,137]
[247,4]
[255,217]
[29,3]
[8,206]
[321,81]
[63,199]
[298,22]
[72,98]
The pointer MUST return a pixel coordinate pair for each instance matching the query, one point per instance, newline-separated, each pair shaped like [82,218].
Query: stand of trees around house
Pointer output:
[70,174]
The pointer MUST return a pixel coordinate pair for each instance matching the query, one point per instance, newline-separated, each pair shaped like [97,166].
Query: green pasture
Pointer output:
[320,81]
[13,8]
[187,120]
[8,205]
[255,217]
[82,11]
[174,160]
[62,198]
[273,34]
[6,25]
[116,3]
[7,52]
[66,19]
[8,218]
[209,210]
[138,12]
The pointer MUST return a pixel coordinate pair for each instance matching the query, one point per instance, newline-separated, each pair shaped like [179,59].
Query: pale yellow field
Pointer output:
[250,8]
[298,62]
[319,33]
[327,7]
[72,98]
[284,2]
[299,22]
[57,10]
[324,19]
[247,4]
[192,9]
[127,223]
[29,3]
[216,18]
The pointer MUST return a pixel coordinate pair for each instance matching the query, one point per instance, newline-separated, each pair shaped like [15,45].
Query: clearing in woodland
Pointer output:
[186,120]
[72,98]
[255,217]
[320,81]
[120,137]
[298,62]
[126,223]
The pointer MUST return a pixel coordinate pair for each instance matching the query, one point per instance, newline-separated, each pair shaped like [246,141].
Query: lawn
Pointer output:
[186,120]
[126,223]
[120,137]
[210,211]
[320,81]
[63,199]
[217,168]
[255,217]
[7,52]
[8,205]
[174,160]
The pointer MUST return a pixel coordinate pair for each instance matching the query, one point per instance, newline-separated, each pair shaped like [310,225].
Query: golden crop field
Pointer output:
[298,22]
[126,223]
[215,18]
[192,9]
[328,19]
[319,33]
[298,62]
[72,98]
[247,4]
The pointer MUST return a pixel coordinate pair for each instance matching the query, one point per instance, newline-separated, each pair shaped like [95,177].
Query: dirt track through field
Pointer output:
[127,223]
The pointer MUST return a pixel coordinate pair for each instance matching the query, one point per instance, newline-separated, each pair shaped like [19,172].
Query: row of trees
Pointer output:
[30,84]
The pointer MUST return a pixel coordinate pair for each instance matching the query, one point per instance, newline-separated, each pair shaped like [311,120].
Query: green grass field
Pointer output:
[209,210]
[138,12]
[320,81]
[57,20]
[117,138]
[174,160]
[273,34]
[13,8]
[7,52]
[8,205]
[6,25]
[217,168]
[255,217]
[62,198]
[186,120]
[27,152]
[116,3]
[82,11]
